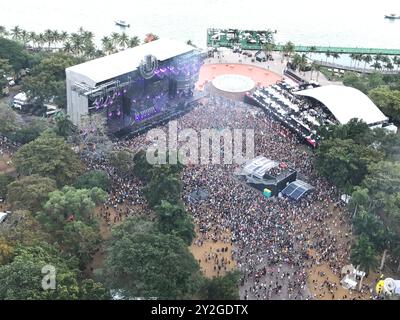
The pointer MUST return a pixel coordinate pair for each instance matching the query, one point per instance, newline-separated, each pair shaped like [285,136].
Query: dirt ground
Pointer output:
[211,248]
[321,291]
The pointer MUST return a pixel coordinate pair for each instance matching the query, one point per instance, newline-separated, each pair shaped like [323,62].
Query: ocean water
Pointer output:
[309,22]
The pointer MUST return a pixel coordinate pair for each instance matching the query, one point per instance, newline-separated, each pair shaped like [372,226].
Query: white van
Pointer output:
[3,216]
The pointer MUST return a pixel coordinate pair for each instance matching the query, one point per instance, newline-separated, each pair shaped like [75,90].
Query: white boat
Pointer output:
[122,23]
[392,16]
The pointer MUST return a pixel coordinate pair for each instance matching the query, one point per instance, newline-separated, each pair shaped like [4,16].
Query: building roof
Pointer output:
[346,103]
[126,61]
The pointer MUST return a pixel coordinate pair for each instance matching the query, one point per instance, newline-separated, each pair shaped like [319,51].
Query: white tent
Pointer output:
[346,103]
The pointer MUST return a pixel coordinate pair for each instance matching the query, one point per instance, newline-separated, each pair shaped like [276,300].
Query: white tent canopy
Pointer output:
[346,103]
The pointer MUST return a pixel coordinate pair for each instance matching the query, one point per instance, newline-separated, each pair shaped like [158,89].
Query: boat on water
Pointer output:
[392,16]
[122,23]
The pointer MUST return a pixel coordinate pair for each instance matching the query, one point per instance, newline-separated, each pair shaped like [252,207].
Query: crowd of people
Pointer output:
[276,242]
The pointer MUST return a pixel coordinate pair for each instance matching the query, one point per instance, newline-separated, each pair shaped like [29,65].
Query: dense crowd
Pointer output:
[275,241]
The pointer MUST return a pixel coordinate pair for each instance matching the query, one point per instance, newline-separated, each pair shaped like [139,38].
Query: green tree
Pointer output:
[142,262]
[30,193]
[92,179]
[122,160]
[5,180]
[384,180]
[22,278]
[30,131]
[363,253]
[174,219]
[142,168]
[49,156]
[70,202]
[9,120]
[64,126]
[164,185]
[222,288]
[388,101]
[5,70]
[81,241]
[345,162]
[23,229]
[133,42]
[15,53]
[47,79]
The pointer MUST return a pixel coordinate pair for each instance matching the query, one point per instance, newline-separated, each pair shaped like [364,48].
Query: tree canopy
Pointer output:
[388,101]
[225,287]
[92,179]
[174,219]
[30,192]
[47,79]
[15,53]
[345,162]
[164,185]
[49,156]
[5,180]
[70,204]
[143,262]
[22,278]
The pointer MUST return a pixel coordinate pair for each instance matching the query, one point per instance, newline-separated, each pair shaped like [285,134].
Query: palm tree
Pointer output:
[32,38]
[123,40]
[15,33]
[327,54]
[88,36]
[317,68]
[41,40]
[55,36]
[289,48]
[353,58]
[389,66]
[68,47]
[48,35]
[364,254]
[24,37]
[77,43]
[359,58]
[115,38]
[64,36]
[335,56]
[108,45]
[105,40]
[377,65]
[367,60]
[377,58]
[268,48]
[133,42]
[296,61]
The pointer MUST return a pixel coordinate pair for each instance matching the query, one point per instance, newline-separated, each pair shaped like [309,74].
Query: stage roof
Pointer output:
[259,166]
[346,103]
[297,189]
[114,65]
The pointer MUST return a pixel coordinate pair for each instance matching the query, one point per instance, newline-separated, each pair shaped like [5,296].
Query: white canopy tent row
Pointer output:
[346,103]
